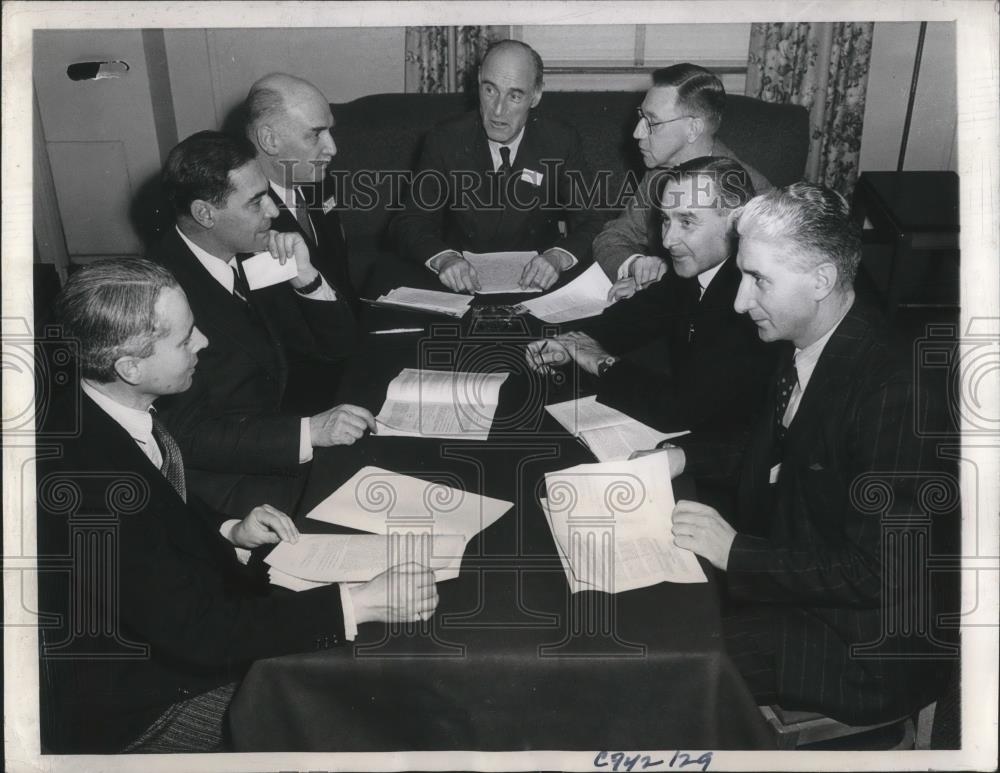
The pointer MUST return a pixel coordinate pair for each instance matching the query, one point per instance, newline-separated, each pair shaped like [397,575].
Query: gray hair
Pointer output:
[263,104]
[109,309]
[815,220]
[536,58]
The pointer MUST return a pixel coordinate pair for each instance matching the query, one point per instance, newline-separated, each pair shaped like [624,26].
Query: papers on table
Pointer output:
[610,434]
[430,403]
[382,501]
[500,272]
[319,559]
[611,525]
[585,296]
[263,270]
[452,304]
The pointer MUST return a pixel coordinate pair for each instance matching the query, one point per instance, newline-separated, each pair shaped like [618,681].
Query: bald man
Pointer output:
[507,175]
[289,123]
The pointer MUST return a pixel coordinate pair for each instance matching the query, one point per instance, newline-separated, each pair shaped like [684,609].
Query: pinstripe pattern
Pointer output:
[194,725]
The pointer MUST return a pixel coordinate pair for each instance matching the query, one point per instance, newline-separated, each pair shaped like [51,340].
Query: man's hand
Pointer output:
[547,354]
[585,350]
[676,459]
[623,288]
[543,270]
[402,594]
[289,245]
[340,425]
[647,269]
[456,273]
[264,525]
[700,529]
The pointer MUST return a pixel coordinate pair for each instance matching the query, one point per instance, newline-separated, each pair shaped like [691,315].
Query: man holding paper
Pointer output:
[244,441]
[833,604]
[499,180]
[716,365]
[153,612]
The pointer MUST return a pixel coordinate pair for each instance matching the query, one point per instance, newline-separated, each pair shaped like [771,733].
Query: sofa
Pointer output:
[383,132]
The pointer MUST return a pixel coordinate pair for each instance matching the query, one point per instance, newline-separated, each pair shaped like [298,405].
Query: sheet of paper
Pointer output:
[499,272]
[612,521]
[329,558]
[453,304]
[264,270]
[585,296]
[425,403]
[380,501]
[575,585]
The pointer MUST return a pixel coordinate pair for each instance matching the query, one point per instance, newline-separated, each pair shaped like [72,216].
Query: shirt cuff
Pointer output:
[226,530]
[305,442]
[347,606]
[570,255]
[624,267]
[433,266]
[322,293]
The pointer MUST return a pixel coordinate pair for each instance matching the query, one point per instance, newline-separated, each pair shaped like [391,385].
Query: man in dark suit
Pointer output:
[244,441]
[289,122]
[717,368]
[499,180]
[156,611]
[832,605]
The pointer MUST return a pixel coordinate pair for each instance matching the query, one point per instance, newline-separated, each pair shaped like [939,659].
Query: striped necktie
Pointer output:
[302,216]
[173,463]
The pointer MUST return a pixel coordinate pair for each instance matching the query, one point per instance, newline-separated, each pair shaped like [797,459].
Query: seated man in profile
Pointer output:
[157,614]
[832,605]
[717,366]
[498,180]
[679,118]
[244,441]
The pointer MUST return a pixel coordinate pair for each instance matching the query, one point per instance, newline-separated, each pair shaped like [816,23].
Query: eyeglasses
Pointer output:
[650,125]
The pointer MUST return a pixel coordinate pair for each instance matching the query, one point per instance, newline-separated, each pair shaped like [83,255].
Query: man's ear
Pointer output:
[203,213]
[267,139]
[696,128]
[129,369]
[537,96]
[826,276]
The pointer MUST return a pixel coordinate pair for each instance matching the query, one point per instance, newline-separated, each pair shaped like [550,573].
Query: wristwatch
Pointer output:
[311,287]
[603,365]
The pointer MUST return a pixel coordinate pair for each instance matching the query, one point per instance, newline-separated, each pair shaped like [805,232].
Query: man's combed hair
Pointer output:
[199,167]
[733,187]
[262,105]
[109,309]
[813,219]
[535,57]
[699,92]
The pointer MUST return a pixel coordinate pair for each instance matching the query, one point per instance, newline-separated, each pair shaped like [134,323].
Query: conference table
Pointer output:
[511,660]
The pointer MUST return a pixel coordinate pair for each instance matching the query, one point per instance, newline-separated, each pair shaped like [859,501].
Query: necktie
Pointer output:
[786,383]
[302,216]
[241,288]
[504,169]
[173,462]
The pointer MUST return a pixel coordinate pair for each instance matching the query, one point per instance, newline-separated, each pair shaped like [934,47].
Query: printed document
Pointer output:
[499,272]
[585,296]
[452,304]
[445,404]
[611,522]
[609,434]
[381,501]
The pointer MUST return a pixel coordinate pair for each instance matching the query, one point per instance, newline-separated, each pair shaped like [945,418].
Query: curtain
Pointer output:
[823,67]
[444,59]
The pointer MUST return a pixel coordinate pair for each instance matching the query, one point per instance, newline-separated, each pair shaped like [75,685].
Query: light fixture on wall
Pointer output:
[913,94]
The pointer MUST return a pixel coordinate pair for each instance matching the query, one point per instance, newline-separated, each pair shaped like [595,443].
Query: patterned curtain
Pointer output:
[444,59]
[823,67]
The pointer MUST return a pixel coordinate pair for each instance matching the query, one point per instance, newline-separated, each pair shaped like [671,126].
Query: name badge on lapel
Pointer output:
[531,176]
[329,204]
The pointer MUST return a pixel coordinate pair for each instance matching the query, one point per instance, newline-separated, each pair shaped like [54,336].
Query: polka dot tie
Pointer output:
[786,384]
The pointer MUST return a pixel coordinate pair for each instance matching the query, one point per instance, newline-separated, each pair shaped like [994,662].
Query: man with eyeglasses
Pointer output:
[677,121]
[499,179]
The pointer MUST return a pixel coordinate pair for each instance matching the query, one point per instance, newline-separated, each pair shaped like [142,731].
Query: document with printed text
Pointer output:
[500,272]
[451,304]
[585,296]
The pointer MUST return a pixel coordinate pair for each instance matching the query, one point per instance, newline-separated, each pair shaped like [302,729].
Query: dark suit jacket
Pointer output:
[456,157]
[717,373]
[837,549]
[240,441]
[153,607]
[328,251]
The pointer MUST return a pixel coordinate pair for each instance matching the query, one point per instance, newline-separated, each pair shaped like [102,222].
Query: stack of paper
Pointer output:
[320,559]
[585,296]
[500,272]
[610,434]
[611,524]
[431,403]
[384,502]
[452,304]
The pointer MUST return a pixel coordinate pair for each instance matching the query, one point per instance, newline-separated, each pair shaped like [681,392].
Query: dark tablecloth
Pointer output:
[511,660]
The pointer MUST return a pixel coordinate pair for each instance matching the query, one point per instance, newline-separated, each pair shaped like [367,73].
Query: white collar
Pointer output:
[285,194]
[806,359]
[705,277]
[138,424]
[514,144]
[221,270]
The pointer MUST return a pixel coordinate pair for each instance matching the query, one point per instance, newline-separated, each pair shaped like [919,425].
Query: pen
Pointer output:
[398,330]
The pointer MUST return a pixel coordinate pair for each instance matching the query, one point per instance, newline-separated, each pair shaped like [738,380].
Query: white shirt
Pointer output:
[705,278]
[805,363]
